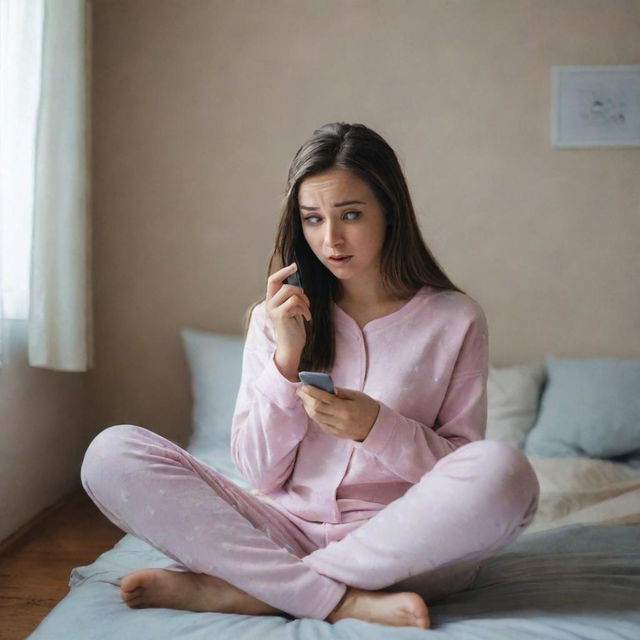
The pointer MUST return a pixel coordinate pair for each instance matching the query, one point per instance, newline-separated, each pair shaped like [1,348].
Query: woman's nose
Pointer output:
[333,235]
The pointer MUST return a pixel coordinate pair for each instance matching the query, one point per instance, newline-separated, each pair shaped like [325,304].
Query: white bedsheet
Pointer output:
[580,490]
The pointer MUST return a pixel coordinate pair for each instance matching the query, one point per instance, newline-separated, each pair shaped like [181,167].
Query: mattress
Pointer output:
[576,581]
[575,573]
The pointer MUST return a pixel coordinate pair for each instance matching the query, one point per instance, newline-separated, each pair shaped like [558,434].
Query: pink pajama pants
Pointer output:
[431,540]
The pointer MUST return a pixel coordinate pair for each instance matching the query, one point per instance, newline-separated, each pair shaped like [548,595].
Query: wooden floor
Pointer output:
[35,568]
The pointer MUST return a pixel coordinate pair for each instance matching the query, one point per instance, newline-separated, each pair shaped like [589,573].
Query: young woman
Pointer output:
[369,502]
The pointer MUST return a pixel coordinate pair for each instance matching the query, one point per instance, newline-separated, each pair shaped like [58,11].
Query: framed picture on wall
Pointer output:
[595,106]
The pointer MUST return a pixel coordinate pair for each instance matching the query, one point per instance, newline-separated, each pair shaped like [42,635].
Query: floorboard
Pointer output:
[34,570]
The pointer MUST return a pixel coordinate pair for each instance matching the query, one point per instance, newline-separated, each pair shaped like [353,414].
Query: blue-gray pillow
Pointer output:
[589,408]
[215,364]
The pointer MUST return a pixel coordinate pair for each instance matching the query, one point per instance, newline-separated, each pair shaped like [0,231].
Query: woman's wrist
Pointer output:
[287,367]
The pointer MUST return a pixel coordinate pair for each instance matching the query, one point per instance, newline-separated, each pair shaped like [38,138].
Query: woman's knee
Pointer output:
[507,472]
[104,459]
[499,471]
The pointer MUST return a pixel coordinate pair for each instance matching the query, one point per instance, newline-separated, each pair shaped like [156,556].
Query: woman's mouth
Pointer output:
[341,260]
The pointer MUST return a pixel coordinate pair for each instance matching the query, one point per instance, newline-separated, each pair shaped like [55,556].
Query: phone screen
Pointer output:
[318,379]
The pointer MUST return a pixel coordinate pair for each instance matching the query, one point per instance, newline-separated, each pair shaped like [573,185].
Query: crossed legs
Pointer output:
[249,556]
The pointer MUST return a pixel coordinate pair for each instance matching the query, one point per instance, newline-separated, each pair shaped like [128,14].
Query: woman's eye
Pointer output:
[314,219]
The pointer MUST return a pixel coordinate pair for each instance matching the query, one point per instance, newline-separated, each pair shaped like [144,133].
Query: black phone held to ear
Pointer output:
[296,277]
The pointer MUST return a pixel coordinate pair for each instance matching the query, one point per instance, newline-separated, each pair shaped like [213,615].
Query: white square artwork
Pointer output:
[596,106]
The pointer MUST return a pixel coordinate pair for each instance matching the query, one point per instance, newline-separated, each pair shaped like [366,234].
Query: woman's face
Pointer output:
[341,216]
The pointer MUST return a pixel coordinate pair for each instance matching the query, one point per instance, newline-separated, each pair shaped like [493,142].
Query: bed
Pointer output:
[574,573]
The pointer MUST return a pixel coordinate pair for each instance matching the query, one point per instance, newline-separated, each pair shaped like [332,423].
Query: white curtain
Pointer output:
[45,52]
[20,58]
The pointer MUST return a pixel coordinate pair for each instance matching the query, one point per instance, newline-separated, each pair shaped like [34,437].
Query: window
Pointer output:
[21,24]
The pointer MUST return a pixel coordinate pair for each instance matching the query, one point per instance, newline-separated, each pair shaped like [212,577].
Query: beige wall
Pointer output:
[199,107]
[43,432]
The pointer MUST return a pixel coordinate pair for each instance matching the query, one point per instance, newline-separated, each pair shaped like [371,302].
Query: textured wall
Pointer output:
[43,432]
[199,106]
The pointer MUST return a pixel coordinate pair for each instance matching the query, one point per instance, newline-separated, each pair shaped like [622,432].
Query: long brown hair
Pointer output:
[406,263]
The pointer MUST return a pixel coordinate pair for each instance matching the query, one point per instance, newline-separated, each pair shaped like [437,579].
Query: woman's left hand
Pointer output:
[349,414]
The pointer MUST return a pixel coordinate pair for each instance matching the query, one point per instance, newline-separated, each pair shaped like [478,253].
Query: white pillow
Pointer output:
[513,396]
[215,364]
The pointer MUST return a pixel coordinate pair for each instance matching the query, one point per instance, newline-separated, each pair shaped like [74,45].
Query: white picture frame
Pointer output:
[595,106]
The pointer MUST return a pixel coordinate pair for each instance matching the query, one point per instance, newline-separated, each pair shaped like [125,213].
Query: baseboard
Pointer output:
[28,530]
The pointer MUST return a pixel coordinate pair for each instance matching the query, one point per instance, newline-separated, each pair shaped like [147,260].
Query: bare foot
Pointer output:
[404,609]
[188,591]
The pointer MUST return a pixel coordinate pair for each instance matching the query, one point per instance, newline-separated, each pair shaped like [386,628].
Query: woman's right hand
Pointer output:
[287,306]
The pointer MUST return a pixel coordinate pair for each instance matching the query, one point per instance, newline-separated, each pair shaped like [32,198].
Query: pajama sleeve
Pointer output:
[408,448]
[269,420]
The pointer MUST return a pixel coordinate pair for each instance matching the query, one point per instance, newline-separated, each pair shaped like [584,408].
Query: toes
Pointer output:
[128,596]
[130,589]
[416,611]
[137,579]
[420,621]
[129,585]
[136,602]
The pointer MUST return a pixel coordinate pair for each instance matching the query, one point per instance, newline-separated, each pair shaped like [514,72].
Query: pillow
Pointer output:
[589,408]
[215,364]
[513,395]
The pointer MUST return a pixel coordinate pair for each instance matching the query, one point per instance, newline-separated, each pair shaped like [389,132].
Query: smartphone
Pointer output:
[318,379]
[295,278]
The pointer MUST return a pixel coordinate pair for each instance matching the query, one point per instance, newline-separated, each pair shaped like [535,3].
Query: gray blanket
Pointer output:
[572,582]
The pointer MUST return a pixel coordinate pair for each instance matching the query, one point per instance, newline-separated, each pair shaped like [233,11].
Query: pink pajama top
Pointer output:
[426,364]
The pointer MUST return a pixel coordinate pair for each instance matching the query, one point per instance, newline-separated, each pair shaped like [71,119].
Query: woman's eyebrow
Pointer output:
[335,204]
